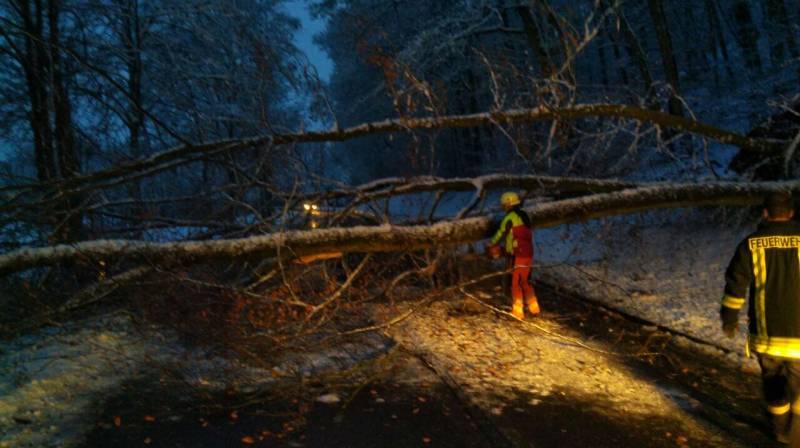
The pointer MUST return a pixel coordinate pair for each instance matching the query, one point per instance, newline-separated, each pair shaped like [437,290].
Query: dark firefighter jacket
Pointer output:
[768,263]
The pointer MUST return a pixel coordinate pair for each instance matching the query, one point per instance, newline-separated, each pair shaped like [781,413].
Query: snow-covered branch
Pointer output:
[402,185]
[388,238]
[503,117]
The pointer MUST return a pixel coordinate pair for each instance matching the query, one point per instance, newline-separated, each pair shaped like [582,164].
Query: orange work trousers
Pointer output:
[520,286]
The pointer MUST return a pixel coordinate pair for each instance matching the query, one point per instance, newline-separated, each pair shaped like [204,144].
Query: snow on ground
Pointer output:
[671,275]
[48,380]
[508,371]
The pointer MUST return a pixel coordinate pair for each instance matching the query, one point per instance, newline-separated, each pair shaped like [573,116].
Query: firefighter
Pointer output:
[515,230]
[768,263]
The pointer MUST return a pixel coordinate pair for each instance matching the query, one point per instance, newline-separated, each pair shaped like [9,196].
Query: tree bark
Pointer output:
[131,36]
[388,238]
[615,46]
[567,57]
[717,38]
[535,42]
[659,18]
[747,35]
[781,37]
[35,64]
[70,228]
[634,49]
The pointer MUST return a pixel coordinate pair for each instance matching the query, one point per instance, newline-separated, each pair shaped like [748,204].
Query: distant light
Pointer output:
[307,206]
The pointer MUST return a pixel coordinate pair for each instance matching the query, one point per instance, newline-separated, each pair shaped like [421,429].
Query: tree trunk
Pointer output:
[388,238]
[566,49]
[747,35]
[634,49]
[535,42]
[694,60]
[131,35]
[601,56]
[717,39]
[35,64]
[656,8]
[623,73]
[71,226]
[779,31]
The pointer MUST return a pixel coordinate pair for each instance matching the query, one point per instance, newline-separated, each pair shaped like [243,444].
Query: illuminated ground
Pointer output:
[489,381]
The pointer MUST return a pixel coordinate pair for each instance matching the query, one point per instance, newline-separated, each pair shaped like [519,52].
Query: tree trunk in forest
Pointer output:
[747,35]
[470,159]
[694,60]
[131,36]
[535,42]
[601,55]
[70,228]
[567,55]
[717,39]
[668,61]
[634,49]
[780,34]
[35,66]
[50,119]
[615,46]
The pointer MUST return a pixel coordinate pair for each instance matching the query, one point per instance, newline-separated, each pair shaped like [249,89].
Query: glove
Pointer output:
[493,251]
[730,321]
[730,329]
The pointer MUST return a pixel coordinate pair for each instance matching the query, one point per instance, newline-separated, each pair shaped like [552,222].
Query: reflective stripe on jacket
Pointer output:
[518,236]
[767,263]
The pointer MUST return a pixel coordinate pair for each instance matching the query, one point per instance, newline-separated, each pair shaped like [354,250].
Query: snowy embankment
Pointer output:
[671,275]
[52,381]
[49,379]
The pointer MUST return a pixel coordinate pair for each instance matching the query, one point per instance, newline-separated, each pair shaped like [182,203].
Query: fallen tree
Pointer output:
[389,238]
[187,153]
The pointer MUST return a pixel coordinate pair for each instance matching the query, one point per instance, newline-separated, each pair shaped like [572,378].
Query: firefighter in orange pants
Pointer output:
[516,230]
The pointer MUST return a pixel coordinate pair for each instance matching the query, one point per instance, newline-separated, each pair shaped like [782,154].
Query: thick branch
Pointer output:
[401,185]
[513,116]
[387,238]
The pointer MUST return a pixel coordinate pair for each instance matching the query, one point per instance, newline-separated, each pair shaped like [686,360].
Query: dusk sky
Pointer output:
[304,38]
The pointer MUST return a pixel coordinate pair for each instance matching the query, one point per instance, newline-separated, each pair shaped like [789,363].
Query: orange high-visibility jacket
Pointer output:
[518,236]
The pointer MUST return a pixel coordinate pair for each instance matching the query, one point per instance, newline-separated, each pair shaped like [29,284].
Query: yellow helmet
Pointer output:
[509,199]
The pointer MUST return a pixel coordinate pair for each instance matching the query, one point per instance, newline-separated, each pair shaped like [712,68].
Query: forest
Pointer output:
[198,225]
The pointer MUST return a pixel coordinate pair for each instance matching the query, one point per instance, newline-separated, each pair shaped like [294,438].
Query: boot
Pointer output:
[780,423]
[517,311]
[780,427]
[533,306]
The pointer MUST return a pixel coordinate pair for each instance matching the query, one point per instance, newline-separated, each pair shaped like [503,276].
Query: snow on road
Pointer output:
[560,391]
